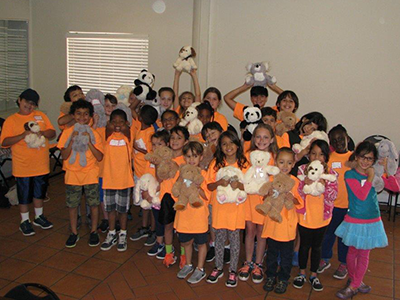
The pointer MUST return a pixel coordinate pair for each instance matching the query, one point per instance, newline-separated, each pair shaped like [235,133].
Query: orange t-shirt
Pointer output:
[142,139]
[76,174]
[229,215]
[62,127]
[221,119]
[337,163]
[193,220]
[198,137]
[314,217]
[117,171]
[27,162]
[238,111]
[282,142]
[285,231]
[166,185]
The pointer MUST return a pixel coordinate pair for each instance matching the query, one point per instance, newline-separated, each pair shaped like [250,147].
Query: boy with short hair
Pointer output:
[30,166]
[269,116]
[82,178]
[72,94]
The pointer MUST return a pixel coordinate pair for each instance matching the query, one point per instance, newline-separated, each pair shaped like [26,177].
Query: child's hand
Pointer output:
[146,196]
[88,135]
[235,184]
[308,181]
[223,182]
[96,118]
[322,181]
[370,173]
[193,72]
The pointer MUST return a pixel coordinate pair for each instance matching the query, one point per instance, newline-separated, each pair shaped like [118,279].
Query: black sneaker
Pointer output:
[26,228]
[140,233]
[215,275]
[269,284]
[157,248]
[110,241]
[151,239]
[94,239]
[227,256]
[103,227]
[42,222]
[281,287]
[72,240]
[316,285]
[232,279]
[161,253]
[210,254]
[298,281]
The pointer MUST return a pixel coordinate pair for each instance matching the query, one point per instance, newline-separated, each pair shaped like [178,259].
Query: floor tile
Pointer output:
[65,261]
[43,275]
[74,285]
[12,268]
[35,254]
[102,291]
[121,290]
[96,268]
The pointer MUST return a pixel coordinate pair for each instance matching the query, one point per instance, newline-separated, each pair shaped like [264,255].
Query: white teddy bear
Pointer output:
[33,140]
[317,134]
[316,171]
[122,94]
[190,120]
[147,183]
[259,172]
[185,61]
[227,194]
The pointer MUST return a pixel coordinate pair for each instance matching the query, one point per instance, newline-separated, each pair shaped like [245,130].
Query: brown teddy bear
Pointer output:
[162,158]
[288,122]
[186,188]
[65,107]
[208,156]
[277,195]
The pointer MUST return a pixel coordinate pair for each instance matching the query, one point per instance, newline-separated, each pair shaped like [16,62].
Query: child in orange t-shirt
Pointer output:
[228,218]
[117,164]
[72,94]
[30,166]
[213,96]
[169,119]
[287,101]
[269,117]
[280,236]
[80,178]
[191,224]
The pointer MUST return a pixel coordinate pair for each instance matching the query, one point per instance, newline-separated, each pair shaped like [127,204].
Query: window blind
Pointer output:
[14,67]
[105,61]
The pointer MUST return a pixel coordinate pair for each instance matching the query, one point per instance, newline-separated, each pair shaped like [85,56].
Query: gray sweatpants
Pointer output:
[234,241]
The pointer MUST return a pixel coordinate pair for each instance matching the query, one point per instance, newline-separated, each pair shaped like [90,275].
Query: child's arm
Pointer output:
[213,186]
[12,140]
[275,88]
[237,185]
[229,98]
[126,130]
[361,192]
[133,107]
[66,152]
[48,134]
[176,88]
[197,92]
[109,129]
[331,188]
[96,153]
[67,120]
[202,194]
[139,149]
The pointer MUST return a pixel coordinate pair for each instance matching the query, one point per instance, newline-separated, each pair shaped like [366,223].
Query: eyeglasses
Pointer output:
[366,158]
[169,119]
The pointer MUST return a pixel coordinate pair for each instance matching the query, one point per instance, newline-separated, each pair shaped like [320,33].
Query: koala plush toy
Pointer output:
[80,145]
[96,97]
[252,117]
[257,74]
[144,86]
[32,139]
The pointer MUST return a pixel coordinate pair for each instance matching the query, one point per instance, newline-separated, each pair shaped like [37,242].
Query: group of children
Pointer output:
[115,161]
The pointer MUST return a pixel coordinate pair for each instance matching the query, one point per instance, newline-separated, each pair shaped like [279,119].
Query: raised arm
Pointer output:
[275,88]
[176,88]
[197,92]
[229,98]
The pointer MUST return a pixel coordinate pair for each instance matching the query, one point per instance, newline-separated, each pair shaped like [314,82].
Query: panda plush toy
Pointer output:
[252,117]
[144,86]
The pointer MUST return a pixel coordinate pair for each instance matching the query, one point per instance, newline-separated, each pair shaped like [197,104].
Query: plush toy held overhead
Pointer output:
[80,144]
[147,183]
[317,134]
[185,61]
[281,196]
[190,120]
[315,171]
[166,168]
[122,94]
[259,171]
[252,117]
[186,188]
[33,140]
[288,121]
[228,194]
[144,86]
[257,74]
[96,97]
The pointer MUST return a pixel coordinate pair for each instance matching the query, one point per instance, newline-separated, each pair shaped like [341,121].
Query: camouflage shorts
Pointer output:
[74,194]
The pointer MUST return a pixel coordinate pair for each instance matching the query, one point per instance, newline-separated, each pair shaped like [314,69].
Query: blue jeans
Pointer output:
[330,237]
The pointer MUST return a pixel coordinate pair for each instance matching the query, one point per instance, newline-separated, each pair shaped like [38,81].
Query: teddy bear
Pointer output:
[281,196]
[65,107]
[208,156]
[162,158]
[252,117]
[288,121]
[144,86]
[257,74]
[122,94]
[259,171]
[186,188]
[315,171]
[33,140]
[96,97]
[190,120]
[315,135]
[185,61]
[227,194]
[147,183]
[80,144]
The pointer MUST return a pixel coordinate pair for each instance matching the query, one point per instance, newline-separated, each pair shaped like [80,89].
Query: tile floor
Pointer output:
[89,273]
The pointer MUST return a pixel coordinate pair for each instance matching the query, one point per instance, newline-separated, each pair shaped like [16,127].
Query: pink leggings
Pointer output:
[357,265]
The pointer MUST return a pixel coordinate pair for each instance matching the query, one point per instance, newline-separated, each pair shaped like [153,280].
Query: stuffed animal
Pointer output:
[162,158]
[186,188]
[227,194]
[315,171]
[96,97]
[33,140]
[190,120]
[156,103]
[126,109]
[281,196]
[80,145]
[252,117]
[208,156]
[257,74]
[147,183]
[144,86]
[185,61]
[288,121]
[259,171]
[317,134]
[122,94]
[65,107]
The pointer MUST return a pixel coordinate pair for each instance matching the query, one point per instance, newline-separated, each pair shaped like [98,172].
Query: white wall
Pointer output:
[14,10]
[52,19]
[341,57]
